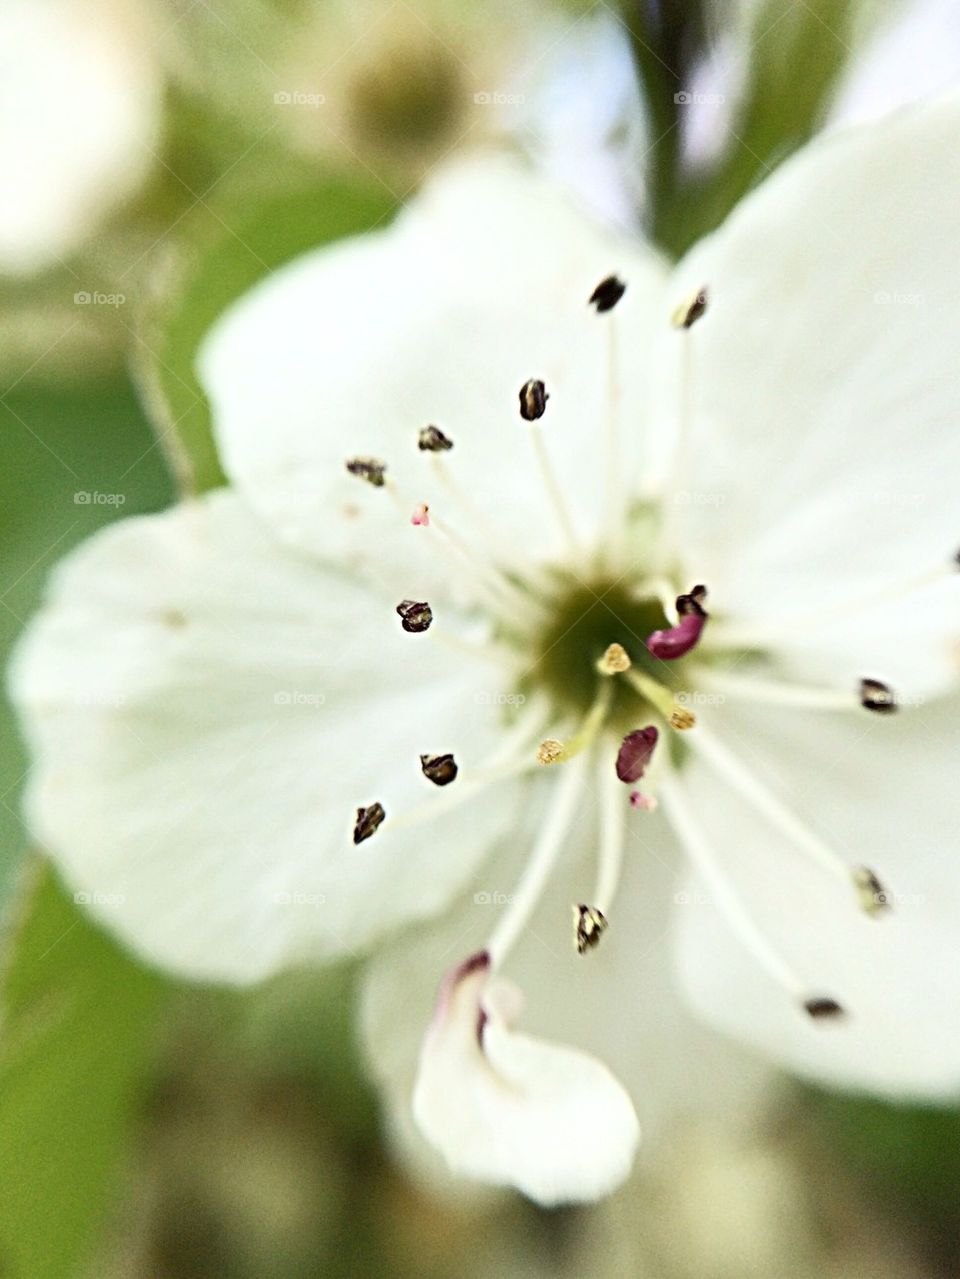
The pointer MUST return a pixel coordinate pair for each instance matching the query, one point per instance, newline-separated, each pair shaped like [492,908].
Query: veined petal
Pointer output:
[207,711]
[514,1110]
[896,975]
[481,284]
[823,455]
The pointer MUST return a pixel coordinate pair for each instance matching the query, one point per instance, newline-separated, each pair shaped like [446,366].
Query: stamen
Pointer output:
[547,849]
[613,546]
[755,793]
[432,440]
[636,751]
[440,769]
[824,1009]
[607,293]
[668,483]
[615,661]
[612,833]
[499,549]
[421,516]
[677,716]
[415,616]
[368,468]
[872,695]
[533,400]
[497,591]
[533,403]
[680,810]
[368,822]
[874,898]
[512,758]
[676,642]
[589,925]
[878,697]
[772,692]
[690,310]
[553,752]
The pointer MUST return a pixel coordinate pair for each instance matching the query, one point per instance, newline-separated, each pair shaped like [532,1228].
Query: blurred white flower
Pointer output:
[492,469]
[80,111]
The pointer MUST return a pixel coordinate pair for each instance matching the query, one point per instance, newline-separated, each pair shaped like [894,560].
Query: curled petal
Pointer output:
[512,1110]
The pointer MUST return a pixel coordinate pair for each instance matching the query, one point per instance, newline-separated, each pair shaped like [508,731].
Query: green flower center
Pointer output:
[585,621]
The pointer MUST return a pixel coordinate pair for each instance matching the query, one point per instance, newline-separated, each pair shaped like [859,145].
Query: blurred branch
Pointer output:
[667,37]
[797,52]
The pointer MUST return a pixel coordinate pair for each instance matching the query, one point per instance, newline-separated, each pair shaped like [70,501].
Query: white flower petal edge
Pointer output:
[822,452]
[896,975]
[513,1110]
[620,1004]
[438,319]
[59,175]
[206,712]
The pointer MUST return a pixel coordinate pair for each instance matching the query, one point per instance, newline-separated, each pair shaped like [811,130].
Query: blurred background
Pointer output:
[156,158]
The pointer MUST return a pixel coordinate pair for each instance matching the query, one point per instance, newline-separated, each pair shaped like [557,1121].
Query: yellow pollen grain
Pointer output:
[681,718]
[614,661]
[550,751]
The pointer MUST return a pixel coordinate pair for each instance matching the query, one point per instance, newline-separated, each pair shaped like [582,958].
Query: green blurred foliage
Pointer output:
[797,52]
[78,1022]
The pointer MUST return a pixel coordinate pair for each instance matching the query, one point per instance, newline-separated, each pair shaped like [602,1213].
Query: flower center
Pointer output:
[581,625]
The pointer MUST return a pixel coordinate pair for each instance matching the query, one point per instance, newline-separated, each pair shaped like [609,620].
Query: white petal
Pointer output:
[619,1003]
[823,455]
[79,114]
[479,285]
[207,710]
[914,54]
[897,975]
[513,1110]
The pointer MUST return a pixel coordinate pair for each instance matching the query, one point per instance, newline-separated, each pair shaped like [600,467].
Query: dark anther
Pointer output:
[433,440]
[589,925]
[822,1009]
[874,898]
[415,616]
[369,821]
[608,293]
[878,697]
[692,604]
[369,469]
[440,769]
[635,753]
[533,400]
[691,310]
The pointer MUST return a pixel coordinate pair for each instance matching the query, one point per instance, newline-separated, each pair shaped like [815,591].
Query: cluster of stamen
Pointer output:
[640,677]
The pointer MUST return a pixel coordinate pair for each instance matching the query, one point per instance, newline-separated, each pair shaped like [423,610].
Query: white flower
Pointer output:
[80,114]
[243,753]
